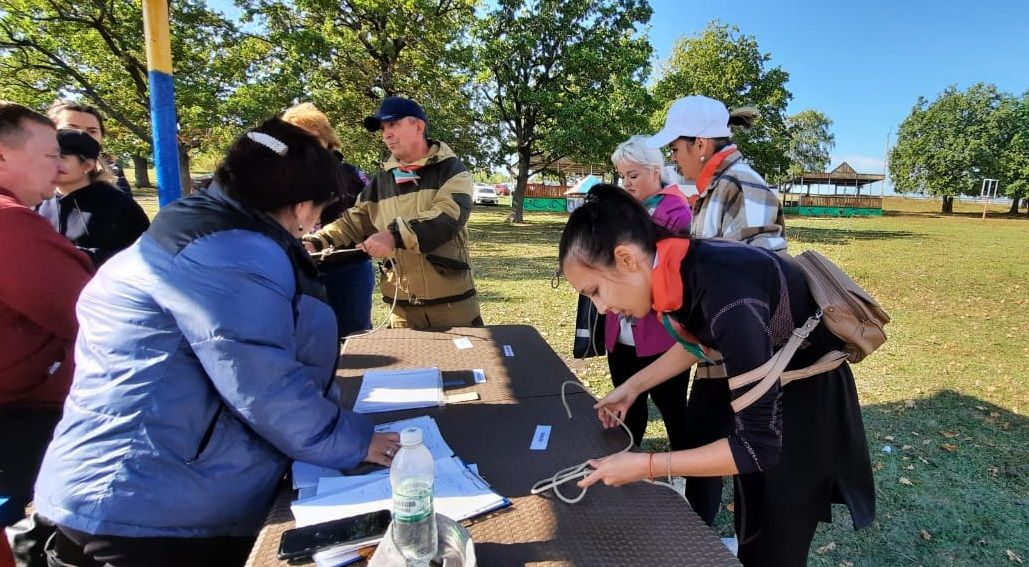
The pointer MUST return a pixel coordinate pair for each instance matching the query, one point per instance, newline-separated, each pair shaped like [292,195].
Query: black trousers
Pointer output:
[669,397]
[24,436]
[72,548]
[707,420]
[777,536]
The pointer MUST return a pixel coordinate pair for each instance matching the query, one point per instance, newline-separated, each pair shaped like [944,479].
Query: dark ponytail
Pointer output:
[744,117]
[609,217]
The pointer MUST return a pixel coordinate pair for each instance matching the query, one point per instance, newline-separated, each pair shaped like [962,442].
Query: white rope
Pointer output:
[322,254]
[583,470]
[392,308]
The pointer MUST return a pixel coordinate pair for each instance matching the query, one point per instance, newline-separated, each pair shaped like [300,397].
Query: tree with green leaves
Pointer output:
[94,51]
[947,147]
[1014,158]
[345,56]
[564,78]
[728,66]
[810,141]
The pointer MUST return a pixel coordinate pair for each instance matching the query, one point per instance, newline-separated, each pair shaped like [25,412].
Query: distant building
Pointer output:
[844,200]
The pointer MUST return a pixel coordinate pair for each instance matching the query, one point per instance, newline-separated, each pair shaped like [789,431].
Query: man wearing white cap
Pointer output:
[733,201]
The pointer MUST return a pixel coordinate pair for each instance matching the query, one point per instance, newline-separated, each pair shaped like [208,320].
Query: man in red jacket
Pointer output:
[41,275]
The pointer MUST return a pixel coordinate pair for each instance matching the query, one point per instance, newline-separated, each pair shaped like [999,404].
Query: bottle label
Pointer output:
[412,502]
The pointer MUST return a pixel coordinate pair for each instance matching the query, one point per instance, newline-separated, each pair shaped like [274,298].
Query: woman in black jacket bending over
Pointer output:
[794,451]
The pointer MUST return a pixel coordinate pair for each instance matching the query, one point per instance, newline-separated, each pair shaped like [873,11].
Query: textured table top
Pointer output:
[639,524]
[533,370]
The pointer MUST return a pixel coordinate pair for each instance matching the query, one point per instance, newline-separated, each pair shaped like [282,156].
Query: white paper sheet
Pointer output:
[458,494]
[392,390]
[331,484]
[431,436]
[307,476]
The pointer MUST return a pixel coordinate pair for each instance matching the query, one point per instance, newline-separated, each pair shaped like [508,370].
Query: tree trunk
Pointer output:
[1014,206]
[948,205]
[140,171]
[518,198]
[185,182]
[1026,203]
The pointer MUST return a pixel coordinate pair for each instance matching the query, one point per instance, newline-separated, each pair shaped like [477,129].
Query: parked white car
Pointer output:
[485,195]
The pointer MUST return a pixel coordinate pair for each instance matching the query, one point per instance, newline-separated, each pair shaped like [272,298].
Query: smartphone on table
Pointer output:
[304,542]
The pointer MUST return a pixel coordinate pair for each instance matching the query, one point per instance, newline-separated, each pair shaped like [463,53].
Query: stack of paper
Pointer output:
[307,477]
[458,493]
[327,494]
[392,390]
[432,438]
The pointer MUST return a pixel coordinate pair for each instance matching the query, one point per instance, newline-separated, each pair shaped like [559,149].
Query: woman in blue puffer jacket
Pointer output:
[205,359]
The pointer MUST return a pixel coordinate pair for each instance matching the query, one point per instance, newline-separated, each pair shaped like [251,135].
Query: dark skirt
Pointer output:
[824,460]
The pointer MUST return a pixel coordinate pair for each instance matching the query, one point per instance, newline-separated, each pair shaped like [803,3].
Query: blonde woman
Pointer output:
[633,343]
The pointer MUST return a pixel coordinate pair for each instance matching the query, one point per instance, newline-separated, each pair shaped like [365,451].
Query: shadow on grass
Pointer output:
[817,235]
[539,230]
[966,483]
[961,214]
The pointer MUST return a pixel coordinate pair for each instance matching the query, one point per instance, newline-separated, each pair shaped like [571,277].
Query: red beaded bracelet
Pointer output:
[651,466]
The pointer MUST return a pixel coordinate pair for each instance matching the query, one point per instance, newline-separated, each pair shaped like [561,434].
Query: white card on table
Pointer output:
[541,438]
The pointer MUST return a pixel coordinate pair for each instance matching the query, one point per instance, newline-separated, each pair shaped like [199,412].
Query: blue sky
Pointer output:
[865,63]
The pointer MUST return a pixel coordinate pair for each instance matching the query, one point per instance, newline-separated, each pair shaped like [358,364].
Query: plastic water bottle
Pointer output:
[414,522]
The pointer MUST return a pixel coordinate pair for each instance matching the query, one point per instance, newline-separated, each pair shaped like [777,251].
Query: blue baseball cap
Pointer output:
[394,108]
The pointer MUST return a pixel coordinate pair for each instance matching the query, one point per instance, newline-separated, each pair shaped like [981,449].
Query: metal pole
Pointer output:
[162,99]
[886,159]
[986,193]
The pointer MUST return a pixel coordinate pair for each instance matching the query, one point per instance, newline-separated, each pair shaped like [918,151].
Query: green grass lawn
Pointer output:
[948,393]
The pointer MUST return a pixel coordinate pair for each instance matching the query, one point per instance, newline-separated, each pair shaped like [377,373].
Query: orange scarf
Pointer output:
[666,280]
[712,165]
[667,289]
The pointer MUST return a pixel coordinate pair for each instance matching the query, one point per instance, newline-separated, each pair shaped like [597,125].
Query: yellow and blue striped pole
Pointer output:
[162,99]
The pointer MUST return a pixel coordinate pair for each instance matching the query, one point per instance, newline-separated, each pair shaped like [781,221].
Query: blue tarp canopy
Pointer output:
[583,186]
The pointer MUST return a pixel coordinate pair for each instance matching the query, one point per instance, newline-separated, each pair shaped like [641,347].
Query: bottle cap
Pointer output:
[410,436]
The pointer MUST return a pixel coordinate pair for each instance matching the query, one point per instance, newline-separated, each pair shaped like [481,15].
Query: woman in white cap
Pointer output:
[735,203]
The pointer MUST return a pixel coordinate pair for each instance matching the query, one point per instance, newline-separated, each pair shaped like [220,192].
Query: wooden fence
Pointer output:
[541,190]
[847,201]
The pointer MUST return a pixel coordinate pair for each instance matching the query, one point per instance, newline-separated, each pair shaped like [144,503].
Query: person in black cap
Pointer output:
[413,215]
[80,116]
[86,208]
